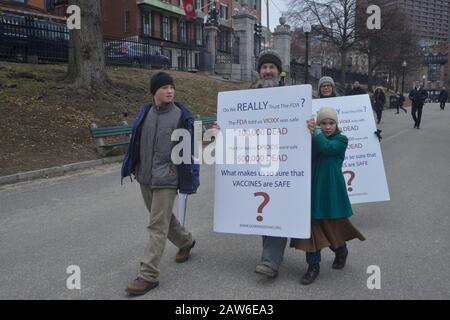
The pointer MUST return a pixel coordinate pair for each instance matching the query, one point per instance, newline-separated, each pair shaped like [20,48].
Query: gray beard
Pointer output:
[268,83]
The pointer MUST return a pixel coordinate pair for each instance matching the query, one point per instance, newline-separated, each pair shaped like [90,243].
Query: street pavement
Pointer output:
[90,220]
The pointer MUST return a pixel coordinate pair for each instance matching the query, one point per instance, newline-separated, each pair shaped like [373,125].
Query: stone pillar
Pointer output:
[243,25]
[282,43]
[211,33]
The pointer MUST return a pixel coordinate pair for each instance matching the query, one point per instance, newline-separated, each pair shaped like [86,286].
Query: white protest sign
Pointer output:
[363,166]
[263,166]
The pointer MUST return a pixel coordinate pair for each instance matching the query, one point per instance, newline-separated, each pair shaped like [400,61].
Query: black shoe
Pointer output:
[397,112]
[415,125]
[339,261]
[311,274]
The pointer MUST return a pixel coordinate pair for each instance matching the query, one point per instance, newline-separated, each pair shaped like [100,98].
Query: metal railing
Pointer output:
[26,39]
[227,59]
[31,40]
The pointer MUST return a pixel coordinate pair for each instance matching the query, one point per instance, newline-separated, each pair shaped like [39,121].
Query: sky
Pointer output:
[274,12]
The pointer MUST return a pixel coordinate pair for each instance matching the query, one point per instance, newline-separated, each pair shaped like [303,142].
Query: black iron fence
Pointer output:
[30,40]
[149,52]
[27,39]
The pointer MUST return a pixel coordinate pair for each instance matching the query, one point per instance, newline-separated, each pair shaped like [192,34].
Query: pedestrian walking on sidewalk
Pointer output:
[149,160]
[379,99]
[418,96]
[269,71]
[443,97]
[330,205]
[400,101]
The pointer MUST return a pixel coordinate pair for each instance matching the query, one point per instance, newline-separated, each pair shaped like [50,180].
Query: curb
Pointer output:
[57,171]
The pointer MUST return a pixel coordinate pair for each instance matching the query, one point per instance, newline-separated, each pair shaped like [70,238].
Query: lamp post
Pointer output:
[404,64]
[307,30]
[424,77]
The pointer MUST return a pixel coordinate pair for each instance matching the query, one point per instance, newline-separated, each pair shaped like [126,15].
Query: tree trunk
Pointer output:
[86,67]
[343,68]
[397,82]
[369,73]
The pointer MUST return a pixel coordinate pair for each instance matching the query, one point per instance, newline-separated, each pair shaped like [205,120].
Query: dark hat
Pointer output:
[270,56]
[159,80]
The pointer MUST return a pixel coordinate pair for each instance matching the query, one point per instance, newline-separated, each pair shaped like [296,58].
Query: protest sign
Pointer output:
[363,167]
[263,166]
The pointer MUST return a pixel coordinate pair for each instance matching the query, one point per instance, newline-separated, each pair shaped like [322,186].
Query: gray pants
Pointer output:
[273,251]
[163,225]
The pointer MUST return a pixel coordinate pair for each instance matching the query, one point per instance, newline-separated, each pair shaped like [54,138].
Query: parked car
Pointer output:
[135,54]
[22,37]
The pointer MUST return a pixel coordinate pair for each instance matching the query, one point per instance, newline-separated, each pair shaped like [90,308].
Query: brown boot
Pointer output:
[183,253]
[140,286]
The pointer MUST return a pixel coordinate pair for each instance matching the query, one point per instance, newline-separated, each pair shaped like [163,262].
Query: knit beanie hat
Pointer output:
[324,80]
[159,80]
[270,56]
[327,113]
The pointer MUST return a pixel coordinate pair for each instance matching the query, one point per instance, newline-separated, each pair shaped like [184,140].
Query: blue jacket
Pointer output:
[188,174]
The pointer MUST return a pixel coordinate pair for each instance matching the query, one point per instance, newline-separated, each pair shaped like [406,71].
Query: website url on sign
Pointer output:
[259,226]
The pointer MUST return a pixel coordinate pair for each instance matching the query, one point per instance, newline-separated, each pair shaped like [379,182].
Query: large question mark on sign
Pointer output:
[263,204]
[352,176]
[303,101]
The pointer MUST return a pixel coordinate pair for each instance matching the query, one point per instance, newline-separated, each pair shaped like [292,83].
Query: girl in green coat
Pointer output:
[330,205]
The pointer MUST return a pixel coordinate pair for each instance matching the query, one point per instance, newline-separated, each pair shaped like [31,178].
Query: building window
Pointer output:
[433,72]
[224,41]
[127,21]
[146,23]
[181,30]
[165,28]
[50,5]
[198,35]
[223,12]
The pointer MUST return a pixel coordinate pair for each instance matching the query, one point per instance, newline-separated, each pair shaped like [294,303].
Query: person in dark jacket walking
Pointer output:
[356,90]
[330,204]
[379,100]
[443,97]
[400,100]
[418,96]
[149,160]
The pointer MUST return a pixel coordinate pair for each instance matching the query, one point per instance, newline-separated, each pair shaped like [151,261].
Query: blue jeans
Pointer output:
[273,251]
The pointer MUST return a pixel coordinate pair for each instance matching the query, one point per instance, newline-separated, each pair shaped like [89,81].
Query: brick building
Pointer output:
[163,22]
[36,8]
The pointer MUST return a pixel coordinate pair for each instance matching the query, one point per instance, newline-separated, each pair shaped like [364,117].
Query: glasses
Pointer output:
[326,86]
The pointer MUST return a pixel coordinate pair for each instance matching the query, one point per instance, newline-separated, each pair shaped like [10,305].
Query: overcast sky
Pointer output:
[274,12]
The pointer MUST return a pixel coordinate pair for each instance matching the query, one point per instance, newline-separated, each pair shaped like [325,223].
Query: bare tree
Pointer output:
[388,46]
[86,67]
[333,19]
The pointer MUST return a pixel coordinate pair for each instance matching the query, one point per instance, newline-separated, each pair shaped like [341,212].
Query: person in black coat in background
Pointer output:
[379,99]
[418,96]
[356,89]
[443,97]
[400,101]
